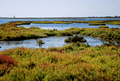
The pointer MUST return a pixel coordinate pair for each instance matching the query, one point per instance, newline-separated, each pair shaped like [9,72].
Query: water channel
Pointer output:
[65,26]
[52,41]
[48,42]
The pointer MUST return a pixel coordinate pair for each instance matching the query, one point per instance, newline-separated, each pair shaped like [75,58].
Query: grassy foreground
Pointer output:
[71,62]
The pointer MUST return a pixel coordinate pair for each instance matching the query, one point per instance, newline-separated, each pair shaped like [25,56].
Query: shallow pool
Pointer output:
[48,42]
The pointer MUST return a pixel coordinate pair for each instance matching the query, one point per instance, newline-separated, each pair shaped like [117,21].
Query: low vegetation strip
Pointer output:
[98,22]
[52,22]
[114,22]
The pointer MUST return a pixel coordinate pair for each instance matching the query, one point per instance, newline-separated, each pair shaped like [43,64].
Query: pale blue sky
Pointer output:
[59,8]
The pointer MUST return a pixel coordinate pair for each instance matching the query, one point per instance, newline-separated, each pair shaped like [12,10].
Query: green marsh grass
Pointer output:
[52,22]
[114,22]
[73,62]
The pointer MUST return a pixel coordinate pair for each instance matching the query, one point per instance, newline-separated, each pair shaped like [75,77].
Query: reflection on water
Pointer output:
[33,43]
[48,42]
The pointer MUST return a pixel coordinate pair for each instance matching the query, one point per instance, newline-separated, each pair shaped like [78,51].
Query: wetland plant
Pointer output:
[6,64]
[75,39]
[40,42]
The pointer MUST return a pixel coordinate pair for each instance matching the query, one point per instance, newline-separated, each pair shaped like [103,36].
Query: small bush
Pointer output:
[4,59]
[40,42]
[5,63]
[75,39]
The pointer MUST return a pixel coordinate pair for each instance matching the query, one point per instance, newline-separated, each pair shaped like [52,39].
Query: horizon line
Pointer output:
[14,17]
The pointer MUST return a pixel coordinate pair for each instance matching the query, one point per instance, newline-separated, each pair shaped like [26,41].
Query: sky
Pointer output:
[59,8]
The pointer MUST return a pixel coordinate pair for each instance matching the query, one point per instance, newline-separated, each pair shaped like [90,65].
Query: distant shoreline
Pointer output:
[54,17]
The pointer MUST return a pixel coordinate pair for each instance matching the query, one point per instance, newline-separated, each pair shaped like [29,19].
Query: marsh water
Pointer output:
[53,41]
[65,26]
[48,42]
